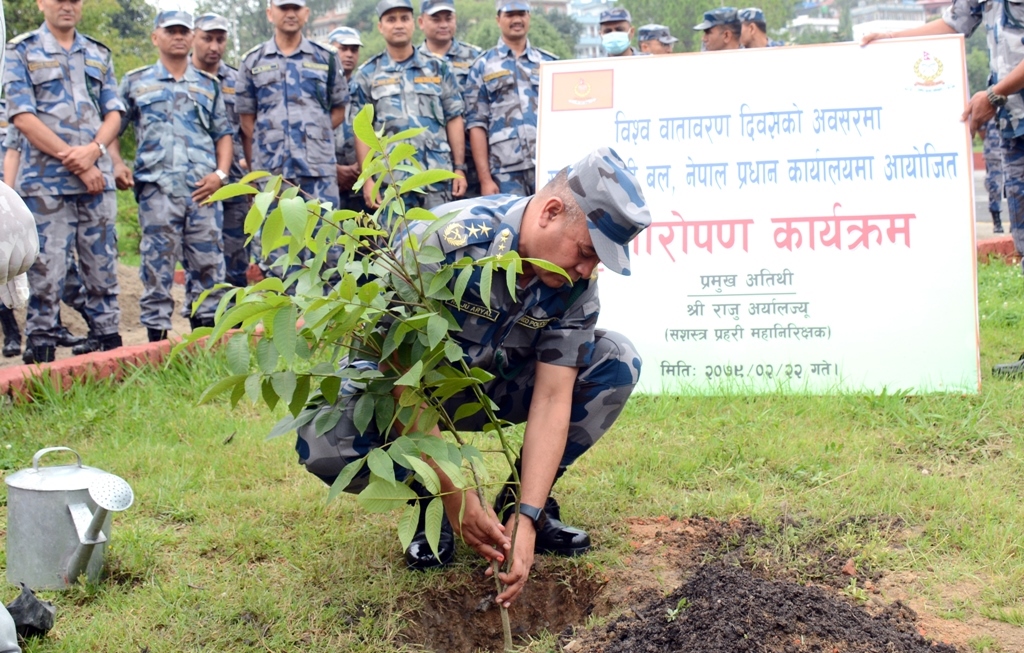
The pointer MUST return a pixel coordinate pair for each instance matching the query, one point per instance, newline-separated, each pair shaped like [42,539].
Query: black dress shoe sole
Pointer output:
[565,553]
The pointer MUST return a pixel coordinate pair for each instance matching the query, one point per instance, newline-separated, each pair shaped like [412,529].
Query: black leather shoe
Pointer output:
[557,538]
[997,223]
[156,335]
[12,334]
[89,345]
[109,341]
[419,556]
[67,339]
[40,354]
[1009,369]
[197,322]
[12,347]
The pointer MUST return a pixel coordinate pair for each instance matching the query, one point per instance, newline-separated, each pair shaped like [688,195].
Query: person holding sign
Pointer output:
[554,370]
[722,29]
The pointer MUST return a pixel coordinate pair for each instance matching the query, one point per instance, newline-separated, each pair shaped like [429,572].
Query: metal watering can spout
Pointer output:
[111,494]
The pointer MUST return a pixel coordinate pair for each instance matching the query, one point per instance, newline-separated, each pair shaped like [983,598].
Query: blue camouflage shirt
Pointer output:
[501,97]
[460,58]
[292,97]
[3,127]
[418,92]
[550,325]
[345,137]
[70,91]
[228,78]
[177,124]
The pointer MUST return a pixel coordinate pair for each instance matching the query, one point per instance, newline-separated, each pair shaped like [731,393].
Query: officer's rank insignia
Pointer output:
[503,240]
[455,234]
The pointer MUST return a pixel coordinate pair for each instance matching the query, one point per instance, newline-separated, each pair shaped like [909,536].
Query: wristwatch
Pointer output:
[532,512]
[461,167]
[223,176]
[995,99]
[103,148]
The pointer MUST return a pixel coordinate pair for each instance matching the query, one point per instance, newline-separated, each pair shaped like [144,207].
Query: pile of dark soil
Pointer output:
[727,609]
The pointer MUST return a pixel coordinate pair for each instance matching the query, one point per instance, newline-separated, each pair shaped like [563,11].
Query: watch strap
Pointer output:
[994,98]
[223,176]
[461,167]
[533,512]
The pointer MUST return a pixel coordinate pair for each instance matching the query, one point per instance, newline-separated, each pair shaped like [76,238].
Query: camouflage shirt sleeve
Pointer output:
[12,139]
[964,16]
[130,108]
[21,97]
[360,93]
[477,108]
[245,91]
[339,87]
[220,126]
[451,97]
[109,97]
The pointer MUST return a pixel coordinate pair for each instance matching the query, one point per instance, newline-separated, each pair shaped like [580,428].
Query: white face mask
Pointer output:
[615,42]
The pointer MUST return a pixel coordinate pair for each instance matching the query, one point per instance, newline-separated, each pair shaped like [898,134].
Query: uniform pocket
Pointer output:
[505,149]
[314,83]
[319,144]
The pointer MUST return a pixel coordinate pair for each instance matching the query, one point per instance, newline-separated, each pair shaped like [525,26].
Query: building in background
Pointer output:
[321,26]
[587,13]
[885,17]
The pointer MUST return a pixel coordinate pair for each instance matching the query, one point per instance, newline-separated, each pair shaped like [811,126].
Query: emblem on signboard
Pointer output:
[589,89]
[928,69]
[582,89]
[455,235]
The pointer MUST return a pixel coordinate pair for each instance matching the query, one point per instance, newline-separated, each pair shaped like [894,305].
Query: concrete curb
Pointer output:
[1001,246]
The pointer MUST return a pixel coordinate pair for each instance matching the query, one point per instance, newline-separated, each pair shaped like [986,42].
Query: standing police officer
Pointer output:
[408,89]
[62,97]
[291,97]
[347,42]
[208,46]
[993,154]
[722,29]
[754,30]
[184,149]
[616,26]
[501,105]
[656,39]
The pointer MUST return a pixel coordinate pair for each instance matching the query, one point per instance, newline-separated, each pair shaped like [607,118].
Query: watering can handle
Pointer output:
[43,452]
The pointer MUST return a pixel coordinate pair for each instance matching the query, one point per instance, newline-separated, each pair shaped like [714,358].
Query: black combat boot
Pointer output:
[108,342]
[1010,370]
[552,535]
[89,345]
[39,354]
[156,335]
[997,223]
[419,555]
[12,335]
[198,322]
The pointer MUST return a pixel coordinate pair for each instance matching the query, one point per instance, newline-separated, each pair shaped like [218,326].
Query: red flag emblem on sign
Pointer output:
[591,89]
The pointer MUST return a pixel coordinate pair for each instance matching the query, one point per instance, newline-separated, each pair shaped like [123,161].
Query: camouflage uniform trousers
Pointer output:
[1013,181]
[323,188]
[599,395]
[73,223]
[236,252]
[994,182]
[521,182]
[177,229]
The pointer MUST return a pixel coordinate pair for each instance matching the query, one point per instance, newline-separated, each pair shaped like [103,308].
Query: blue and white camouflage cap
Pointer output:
[511,5]
[720,16]
[615,15]
[212,23]
[384,6]
[345,36]
[431,7]
[611,198]
[658,33]
[287,3]
[751,15]
[172,18]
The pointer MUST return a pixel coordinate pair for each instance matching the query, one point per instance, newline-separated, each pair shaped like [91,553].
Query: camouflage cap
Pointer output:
[751,15]
[431,7]
[345,36]
[172,18]
[611,198]
[287,3]
[212,23]
[720,16]
[384,6]
[615,15]
[511,5]
[658,33]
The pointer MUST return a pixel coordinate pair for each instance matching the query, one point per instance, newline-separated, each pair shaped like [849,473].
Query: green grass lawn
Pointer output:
[231,546]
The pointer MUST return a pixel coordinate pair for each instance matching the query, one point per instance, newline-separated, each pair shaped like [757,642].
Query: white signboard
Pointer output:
[813,214]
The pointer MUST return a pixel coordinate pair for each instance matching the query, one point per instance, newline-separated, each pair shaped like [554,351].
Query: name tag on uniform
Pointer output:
[96,63]
[200,91]
[462,64]
[265,68]
[38,65]
[495,75]
[315,66]
[384,81]
[228,90]
[142,90]
[474,309]
[534,323]
[427,80]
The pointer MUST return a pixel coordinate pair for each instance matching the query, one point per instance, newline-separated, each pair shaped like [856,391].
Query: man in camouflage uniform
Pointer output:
[722,29]
[656,39]
[993,153]
[408,89]
[62,97]
[184,149]
[347,42]
[291,97]
[501,105]
[542,342]
[208,46]
[1003,100]
[754,30]
[616,27]
[438,23]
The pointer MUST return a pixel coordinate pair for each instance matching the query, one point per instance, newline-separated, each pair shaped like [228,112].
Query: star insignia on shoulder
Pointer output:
[485,230]
[473,231]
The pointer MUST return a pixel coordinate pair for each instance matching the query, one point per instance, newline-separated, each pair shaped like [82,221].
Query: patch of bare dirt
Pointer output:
[132,331]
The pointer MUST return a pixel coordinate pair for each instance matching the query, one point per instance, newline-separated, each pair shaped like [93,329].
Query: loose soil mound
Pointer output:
[724,609]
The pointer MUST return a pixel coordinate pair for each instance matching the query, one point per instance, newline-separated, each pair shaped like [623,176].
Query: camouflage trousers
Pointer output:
[521,182]
[236,252]
[69,225]
[1013,182]
[599,395]
[323,188]
[994,175]
[177,229]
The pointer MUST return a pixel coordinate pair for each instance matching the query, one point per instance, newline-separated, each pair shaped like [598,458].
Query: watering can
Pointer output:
[58,521]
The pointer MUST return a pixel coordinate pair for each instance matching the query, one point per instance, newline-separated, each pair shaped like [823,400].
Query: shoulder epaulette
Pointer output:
[19,38]
[372,59]
[135,71]
[465,231]
[251,50]
[475,49]
[546,53]
[211,76]
[227,65]
[97,42]
[324,47]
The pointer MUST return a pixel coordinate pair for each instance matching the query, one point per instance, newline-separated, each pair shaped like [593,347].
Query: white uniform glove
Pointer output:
[19,246]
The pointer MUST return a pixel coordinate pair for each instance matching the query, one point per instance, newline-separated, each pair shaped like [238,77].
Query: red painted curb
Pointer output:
[1001,246]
